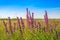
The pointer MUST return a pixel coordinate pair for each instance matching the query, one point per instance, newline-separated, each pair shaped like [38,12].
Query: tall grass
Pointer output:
[34,30]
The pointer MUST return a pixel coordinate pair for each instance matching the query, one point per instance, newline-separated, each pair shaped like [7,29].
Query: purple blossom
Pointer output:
[46,19]
[10,26]
[32,20]
[18,21]
[5,24]
[27,16]
[22,22]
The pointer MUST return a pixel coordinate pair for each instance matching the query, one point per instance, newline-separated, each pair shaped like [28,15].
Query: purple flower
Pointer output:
[32,15]
[18,21]
[32,20]
[46,19]
[5,24]
[10,26]
[27,17]
[22,22]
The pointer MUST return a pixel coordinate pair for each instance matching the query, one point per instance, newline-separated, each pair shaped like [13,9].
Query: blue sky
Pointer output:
[15,8]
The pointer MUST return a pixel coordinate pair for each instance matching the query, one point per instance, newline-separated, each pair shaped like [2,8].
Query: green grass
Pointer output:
[30,34]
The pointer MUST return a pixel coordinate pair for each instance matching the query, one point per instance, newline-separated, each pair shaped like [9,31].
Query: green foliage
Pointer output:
[29,34]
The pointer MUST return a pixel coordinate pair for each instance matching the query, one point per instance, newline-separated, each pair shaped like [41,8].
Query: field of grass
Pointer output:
[53,32]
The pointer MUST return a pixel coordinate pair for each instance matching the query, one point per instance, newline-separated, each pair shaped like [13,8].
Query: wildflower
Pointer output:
[46,19]
[10,26]
[18,21]
[5,24]
[32,20]
[22,22]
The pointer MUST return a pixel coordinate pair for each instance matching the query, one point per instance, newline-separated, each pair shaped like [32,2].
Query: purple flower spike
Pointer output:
[10,26]
[5,24]
[22,22]
[46,19]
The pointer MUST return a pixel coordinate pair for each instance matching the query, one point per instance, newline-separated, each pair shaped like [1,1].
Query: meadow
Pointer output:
[30,28]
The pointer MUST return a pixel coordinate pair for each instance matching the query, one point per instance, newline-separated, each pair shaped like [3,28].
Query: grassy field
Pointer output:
[53,32]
